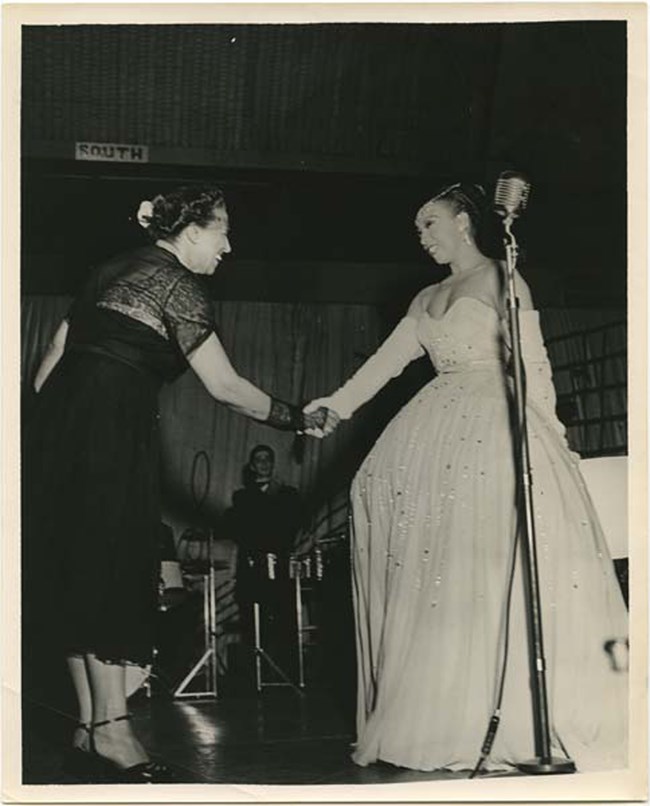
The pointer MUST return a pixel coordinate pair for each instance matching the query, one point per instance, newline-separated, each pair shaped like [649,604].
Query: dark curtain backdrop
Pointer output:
[300,351]
[293,351]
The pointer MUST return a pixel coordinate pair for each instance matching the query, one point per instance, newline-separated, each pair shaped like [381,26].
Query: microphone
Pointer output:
[511,194]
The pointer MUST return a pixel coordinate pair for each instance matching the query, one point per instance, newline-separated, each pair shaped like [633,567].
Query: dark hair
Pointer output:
[466,198]
[172,212]
[261,449]
[248,475]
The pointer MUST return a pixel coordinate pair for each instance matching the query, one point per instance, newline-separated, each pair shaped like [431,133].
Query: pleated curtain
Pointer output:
[301,351]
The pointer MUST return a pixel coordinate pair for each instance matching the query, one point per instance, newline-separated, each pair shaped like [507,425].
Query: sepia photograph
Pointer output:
[326,329]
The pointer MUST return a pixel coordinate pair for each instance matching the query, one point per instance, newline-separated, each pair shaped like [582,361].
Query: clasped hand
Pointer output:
[320,421]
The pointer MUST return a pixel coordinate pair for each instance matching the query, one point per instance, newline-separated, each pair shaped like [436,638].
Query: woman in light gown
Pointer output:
[434,534]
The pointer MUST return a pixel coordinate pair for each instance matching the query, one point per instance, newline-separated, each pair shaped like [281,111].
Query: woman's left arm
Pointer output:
[52,355]
[523,293]
[540,389]
[497,288]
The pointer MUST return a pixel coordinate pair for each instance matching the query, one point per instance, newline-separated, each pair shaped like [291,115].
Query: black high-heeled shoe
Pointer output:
[149,772]
[146,772]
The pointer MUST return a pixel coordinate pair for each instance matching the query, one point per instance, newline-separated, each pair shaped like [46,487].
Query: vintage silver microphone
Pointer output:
[510,200]
[511,195]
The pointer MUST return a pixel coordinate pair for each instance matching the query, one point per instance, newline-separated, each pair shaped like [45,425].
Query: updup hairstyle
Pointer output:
[172,212]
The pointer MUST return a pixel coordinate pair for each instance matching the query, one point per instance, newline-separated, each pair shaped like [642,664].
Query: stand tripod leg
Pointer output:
[261,654]
[299,630]
[209,657]
[212,622]
[258,663]
[192,673]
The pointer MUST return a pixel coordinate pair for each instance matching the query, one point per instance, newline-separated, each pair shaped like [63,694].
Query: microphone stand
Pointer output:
[544,763]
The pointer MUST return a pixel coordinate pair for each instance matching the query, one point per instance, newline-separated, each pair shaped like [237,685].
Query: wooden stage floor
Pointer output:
[277,737]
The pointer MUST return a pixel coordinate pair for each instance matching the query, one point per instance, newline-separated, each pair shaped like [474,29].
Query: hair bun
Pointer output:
[167,214]
[145,214]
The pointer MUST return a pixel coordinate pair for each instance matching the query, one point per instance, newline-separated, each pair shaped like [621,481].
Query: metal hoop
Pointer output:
[199,499]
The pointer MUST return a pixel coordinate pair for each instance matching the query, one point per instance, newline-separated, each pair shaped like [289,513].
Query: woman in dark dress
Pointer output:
[91,498]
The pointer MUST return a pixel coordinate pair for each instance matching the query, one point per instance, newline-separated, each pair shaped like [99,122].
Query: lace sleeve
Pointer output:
[188,314]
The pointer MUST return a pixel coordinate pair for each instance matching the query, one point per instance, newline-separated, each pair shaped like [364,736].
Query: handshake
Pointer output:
[319,421]
[315,419]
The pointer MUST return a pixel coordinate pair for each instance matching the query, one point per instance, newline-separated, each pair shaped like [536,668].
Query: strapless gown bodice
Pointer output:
[469,336]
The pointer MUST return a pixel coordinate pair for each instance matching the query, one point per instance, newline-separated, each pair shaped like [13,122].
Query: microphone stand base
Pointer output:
[552,766]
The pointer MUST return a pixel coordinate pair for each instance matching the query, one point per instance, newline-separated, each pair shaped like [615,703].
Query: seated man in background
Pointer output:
[263,522]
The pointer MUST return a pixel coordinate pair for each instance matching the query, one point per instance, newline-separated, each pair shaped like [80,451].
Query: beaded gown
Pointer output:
[90,461]
[433,535]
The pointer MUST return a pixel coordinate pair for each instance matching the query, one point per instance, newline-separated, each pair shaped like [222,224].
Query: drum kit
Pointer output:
[179,580]
[195,572]
[302,571]
[299,566]
[177,586]
[200,574]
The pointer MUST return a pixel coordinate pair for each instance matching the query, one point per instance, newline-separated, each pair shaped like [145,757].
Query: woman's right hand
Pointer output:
[320,420]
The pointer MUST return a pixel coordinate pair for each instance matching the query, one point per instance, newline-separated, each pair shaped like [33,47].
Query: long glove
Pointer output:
[398,350]
[540,390]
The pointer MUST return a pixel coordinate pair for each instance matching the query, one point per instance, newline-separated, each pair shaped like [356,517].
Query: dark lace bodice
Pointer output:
[144,308]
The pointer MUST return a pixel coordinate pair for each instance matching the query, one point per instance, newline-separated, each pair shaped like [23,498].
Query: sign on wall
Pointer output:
[111,152]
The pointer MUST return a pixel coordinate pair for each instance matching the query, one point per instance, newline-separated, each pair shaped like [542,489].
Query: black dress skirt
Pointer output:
[90,461]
